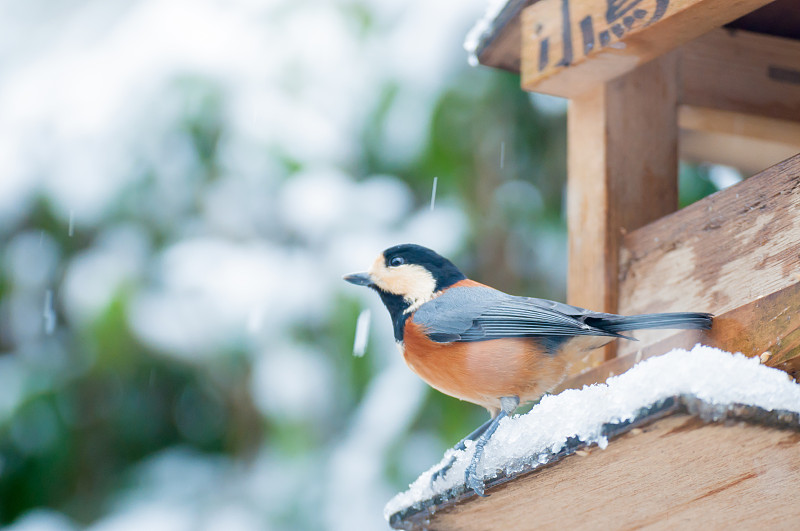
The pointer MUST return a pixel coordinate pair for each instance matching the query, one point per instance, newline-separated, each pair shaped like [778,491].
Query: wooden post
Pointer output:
[622,173]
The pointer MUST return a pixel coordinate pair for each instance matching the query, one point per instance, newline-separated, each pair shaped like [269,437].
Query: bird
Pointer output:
[479,344]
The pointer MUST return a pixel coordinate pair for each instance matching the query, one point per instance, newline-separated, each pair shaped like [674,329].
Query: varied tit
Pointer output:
[481,345]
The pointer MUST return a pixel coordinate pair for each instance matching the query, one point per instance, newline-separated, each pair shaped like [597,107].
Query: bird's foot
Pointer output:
[472,480]
[443,470]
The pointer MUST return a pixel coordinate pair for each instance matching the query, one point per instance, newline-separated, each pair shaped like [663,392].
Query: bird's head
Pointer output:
[409,271]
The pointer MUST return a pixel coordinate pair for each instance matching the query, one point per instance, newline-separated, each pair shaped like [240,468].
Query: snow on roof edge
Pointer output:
[706,382]
[498,13]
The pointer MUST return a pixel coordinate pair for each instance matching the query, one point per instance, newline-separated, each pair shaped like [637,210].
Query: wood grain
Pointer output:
[673,474]
[622,174]
[722,252]
[749,126]
[770,324]
[748,155]
[742,72]
[748,142]
[570,46]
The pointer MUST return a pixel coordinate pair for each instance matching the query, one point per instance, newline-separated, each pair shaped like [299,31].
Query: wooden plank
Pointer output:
[720,253]
[742,72]
[748,142]
[748,155]
[622,174]
[770,324]
[750,126]
[674,471]
[570,46]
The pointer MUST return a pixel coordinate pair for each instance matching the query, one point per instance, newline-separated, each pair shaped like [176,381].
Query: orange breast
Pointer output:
[482,372]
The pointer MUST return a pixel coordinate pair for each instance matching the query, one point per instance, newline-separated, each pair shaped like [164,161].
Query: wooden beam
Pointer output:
[770,324]
[748,155]
[570,46]
[742,72]
[673,471]
[722,252]
[622,174]
[745,141]
[749,126]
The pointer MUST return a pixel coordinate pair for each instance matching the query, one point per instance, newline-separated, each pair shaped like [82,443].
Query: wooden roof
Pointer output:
[499,45]
[669,466]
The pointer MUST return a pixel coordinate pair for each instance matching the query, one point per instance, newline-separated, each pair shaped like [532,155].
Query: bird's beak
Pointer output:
[359,279]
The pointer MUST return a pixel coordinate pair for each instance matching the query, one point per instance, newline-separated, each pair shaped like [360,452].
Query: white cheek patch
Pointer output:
[411,281]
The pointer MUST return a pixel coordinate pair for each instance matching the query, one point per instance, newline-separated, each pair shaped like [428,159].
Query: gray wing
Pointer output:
[573,311]
[480,314]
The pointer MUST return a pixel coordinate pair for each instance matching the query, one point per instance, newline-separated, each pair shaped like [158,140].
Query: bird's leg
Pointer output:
[442,470]
[508,405]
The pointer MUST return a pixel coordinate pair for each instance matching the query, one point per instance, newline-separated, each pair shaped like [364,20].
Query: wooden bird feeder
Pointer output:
[651,82]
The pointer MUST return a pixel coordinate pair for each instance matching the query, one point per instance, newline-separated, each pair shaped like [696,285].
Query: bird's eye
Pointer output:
[396,261]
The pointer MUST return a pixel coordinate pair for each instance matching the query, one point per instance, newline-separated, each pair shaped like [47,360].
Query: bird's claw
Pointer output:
[442,470]
[472,480]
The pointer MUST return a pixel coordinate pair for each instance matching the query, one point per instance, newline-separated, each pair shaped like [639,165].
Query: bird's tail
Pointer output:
[683,320]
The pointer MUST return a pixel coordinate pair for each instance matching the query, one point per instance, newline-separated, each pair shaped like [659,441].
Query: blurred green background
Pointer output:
[182,185]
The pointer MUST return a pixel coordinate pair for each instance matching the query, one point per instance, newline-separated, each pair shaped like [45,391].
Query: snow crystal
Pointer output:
[717,378]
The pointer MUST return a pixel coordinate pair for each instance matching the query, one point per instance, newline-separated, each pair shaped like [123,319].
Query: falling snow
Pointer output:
[362,333]
[49,314]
